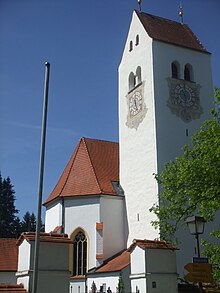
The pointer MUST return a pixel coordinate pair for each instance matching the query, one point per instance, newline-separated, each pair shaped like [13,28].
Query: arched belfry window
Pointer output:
[188,72]
[175,69]
[137,40]
[131,81]
[131,46]
[138,75]
[79,254]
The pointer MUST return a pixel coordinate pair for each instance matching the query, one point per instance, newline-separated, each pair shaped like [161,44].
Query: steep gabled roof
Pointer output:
[169,31]
[8,255]
[90,171]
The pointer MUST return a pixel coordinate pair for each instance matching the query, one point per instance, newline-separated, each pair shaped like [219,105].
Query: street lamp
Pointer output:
[196,226]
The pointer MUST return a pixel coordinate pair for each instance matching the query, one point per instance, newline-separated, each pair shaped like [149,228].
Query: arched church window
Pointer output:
[131,81]
[188,72]
[131,46]
[79,254]
[137,40]
[138,75]
[175,69]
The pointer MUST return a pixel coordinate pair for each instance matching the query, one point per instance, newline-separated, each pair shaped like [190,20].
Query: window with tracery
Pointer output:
[79,254]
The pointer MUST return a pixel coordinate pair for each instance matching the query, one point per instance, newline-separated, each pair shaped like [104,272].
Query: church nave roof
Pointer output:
[92,168]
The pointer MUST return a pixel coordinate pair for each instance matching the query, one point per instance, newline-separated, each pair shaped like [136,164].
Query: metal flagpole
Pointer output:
[41,175]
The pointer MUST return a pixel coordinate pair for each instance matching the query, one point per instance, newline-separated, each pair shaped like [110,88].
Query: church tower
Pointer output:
[165,93]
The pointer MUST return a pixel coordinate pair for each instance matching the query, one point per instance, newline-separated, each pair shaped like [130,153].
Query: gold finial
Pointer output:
[181,11]
[139,2]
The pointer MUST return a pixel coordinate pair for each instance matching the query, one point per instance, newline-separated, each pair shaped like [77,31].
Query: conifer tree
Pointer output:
[28,224]
[9,222]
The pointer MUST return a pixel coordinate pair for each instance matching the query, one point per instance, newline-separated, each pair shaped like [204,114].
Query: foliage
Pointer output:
[121,286]
[190,185]
[9,222]
[10,225]
[212,251]
[28,224]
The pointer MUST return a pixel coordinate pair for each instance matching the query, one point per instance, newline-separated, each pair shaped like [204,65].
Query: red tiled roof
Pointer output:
[57,229]
[169,31]
[45,237]
[8,254]
[152,244]
[14,288]
[90,170]
[77,278]
[115,263]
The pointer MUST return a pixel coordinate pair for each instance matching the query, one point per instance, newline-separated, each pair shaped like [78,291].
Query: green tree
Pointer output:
[9,222]
[191,184]
[121,286]
[28,224]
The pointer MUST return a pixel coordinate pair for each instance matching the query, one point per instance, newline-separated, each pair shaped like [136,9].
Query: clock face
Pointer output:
[135,103]
[185,95]
[184,99]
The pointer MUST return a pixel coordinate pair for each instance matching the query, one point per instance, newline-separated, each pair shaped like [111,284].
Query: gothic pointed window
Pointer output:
[175,69]
[79,254]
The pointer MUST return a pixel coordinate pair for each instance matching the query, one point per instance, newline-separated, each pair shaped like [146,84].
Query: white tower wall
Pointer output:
[161,135]
[138,147]
[171,131]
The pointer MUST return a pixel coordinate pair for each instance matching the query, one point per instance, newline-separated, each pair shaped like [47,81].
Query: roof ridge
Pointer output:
[92,167]
[157,16]
[97,139]
[169,31]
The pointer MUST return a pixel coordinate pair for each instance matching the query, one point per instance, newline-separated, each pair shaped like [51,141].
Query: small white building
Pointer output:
[53,271]
[153,267]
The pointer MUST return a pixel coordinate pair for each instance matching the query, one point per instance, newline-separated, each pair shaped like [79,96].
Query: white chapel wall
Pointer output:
[53,216]
[83,213]
[112,216]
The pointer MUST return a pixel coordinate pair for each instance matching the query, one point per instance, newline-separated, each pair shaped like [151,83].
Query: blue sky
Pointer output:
[83,41]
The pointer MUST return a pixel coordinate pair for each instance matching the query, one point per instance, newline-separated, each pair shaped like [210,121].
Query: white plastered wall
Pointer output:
[170,129]
[112,216]
[83,212]
[138,147]
[24,256]
[53,216]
